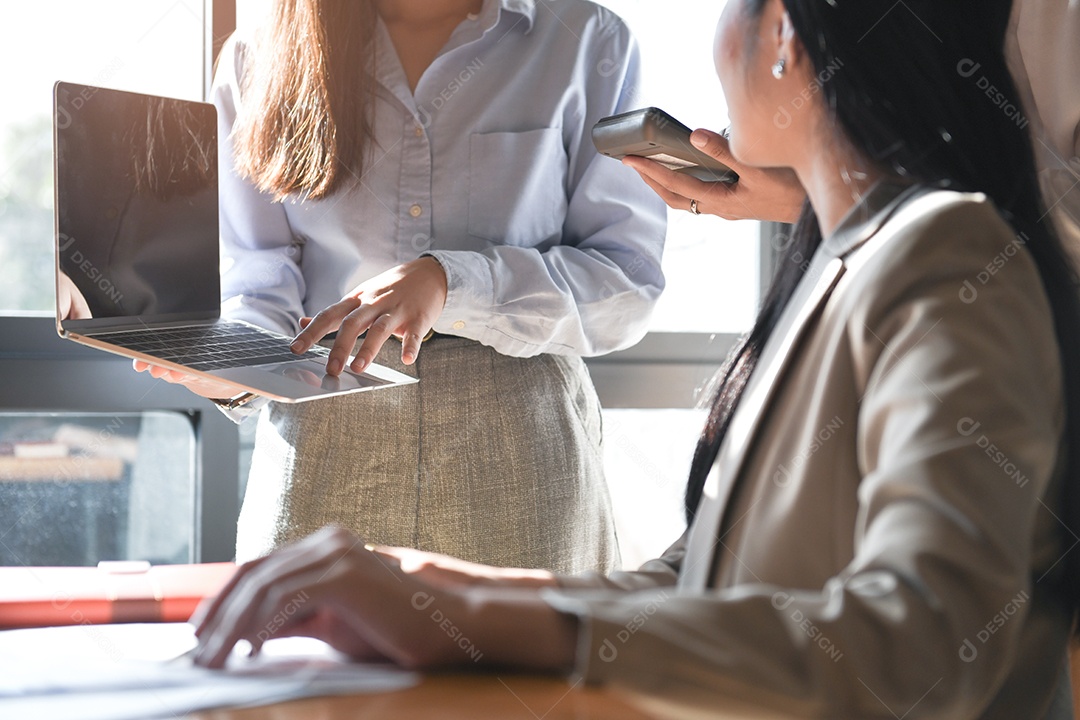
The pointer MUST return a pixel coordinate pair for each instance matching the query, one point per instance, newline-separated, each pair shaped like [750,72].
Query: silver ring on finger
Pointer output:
[694,207]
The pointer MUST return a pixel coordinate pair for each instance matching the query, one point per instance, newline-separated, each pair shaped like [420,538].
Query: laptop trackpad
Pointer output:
[304,379]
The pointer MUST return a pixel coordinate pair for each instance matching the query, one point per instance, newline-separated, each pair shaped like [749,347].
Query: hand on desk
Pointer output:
[760,194]
[404,301]
[417,610]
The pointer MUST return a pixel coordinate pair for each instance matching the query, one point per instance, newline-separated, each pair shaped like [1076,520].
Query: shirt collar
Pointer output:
[525,8]
[868,215]
[388,70]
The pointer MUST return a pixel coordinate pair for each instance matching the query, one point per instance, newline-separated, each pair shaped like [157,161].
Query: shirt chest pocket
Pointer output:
[517,186]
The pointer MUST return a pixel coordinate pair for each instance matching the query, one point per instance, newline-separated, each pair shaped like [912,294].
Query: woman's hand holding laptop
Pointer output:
[198,384]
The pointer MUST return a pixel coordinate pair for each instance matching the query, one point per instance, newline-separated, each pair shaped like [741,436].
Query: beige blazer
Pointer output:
[879,532]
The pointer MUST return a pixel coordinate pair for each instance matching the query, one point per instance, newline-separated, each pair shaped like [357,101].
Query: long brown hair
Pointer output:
[306,119]
[168,160]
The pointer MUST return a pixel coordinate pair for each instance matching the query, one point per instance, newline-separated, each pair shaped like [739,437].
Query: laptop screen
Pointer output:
[136,207]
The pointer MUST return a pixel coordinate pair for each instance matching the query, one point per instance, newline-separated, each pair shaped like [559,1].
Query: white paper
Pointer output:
[116,672]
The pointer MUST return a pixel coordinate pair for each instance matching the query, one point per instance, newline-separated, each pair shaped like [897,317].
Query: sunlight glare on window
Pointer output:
[153,46]
[711,264]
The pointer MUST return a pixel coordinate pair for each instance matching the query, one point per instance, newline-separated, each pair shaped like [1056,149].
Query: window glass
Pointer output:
[647,457]
[711,264]
[712,269]
[153,46]
[76,489]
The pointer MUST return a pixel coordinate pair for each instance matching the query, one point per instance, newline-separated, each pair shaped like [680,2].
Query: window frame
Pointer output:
[59,376]
[674,370]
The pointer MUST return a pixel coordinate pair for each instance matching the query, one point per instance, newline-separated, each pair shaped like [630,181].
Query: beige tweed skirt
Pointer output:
[490,458]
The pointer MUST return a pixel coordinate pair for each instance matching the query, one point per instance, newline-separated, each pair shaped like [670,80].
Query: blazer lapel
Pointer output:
[861,224]
[818,283]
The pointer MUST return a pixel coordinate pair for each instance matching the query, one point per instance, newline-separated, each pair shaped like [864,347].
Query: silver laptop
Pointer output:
[137,258]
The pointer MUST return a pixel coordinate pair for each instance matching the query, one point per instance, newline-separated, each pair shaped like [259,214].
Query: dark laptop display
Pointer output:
[137,204]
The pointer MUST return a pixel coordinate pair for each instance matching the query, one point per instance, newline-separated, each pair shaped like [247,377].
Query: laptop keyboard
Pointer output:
[213,347]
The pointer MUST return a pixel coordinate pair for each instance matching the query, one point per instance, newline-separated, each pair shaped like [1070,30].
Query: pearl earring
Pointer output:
[778,68]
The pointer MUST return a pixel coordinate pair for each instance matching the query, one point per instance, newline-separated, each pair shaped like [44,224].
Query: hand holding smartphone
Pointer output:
[652,133]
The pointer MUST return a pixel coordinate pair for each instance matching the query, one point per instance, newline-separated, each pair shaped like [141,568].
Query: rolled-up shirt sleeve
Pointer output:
[592,292]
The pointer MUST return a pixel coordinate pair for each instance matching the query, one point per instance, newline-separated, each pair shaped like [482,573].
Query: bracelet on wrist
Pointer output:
[234,402]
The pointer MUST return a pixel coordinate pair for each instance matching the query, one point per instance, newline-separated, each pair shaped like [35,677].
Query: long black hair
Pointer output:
[911,98]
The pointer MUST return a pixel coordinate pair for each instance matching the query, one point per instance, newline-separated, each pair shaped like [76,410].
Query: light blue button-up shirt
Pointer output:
[489,167]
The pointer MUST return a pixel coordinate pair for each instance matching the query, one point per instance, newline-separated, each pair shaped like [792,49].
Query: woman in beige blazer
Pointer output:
[882,506]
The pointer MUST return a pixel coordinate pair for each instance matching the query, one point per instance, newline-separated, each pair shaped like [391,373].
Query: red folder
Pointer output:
[109,593]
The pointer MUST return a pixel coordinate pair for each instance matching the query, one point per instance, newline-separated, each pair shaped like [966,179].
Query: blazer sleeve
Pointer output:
[659,573]
[943,544]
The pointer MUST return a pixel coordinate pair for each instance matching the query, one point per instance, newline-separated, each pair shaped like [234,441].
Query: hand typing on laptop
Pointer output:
[380,603]
[404,301]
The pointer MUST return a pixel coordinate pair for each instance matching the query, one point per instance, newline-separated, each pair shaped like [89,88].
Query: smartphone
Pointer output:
[652,133]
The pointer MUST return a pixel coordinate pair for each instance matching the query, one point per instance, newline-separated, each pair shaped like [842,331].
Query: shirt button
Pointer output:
[459,325]
[419,131]
[416,211]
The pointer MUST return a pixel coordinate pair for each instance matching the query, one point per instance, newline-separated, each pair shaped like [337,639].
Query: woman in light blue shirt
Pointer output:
[455,189]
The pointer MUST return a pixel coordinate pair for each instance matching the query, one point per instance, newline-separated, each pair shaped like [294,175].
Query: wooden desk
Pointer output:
[455,697]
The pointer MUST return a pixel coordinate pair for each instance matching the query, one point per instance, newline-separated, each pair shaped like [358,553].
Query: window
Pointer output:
[711,264]
[650,392]
[76,488]
[647,456]
[713,269]
[142,45]
[96,463]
